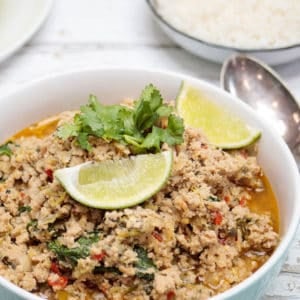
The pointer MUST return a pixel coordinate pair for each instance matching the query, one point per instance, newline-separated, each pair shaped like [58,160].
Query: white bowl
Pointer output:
[19,21]
[218,53]
[52,95]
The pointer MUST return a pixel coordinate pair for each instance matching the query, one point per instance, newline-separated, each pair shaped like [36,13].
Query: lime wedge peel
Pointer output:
[117,184]
[221,127]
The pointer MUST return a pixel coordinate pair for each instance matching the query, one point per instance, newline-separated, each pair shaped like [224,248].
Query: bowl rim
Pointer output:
[34,29]
[285,241]
[214,45]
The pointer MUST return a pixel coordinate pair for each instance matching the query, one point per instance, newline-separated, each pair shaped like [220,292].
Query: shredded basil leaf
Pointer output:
[72,255]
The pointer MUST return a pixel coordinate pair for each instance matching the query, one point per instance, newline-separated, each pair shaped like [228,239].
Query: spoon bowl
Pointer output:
[259,86]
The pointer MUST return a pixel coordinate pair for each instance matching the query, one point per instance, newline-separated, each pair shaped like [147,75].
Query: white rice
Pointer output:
[251,24]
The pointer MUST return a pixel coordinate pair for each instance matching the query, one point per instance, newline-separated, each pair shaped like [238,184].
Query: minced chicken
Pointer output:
[195,238]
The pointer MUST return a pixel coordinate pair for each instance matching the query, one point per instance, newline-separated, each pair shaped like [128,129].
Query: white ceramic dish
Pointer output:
[49,96]
[219,53]
[19,20]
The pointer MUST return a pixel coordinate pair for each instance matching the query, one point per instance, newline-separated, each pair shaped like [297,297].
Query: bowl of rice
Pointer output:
[198,237]
[214,30]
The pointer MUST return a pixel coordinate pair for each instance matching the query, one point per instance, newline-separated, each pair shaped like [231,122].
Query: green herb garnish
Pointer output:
[91,238]
[32,225]
[242,225]
[103,269]
[143,264]
[5,150]
[139,126]
[22,209]
[71,255]
[213,199]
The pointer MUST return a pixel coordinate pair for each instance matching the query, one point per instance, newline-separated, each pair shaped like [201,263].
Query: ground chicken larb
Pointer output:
[193,239]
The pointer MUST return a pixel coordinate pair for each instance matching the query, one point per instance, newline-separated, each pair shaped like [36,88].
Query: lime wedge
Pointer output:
[117,184]
[222,128]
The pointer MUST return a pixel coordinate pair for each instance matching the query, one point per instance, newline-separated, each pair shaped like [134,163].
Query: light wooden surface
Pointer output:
[101,33]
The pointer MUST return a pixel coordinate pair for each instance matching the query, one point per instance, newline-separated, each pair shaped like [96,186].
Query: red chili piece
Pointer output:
[60,283]
[99,256]
[226,198]
[242,201]
[49,173]
[171,295]
[157,236]
[54,268]
[218,218]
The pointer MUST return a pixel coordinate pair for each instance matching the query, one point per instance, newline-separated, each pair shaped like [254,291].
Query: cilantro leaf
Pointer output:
[5,150]
[153,139]
[69,129]
[174,133]
[139,126]
[151,95]
[82,139]
[164,110]
[90,120]
[144,116]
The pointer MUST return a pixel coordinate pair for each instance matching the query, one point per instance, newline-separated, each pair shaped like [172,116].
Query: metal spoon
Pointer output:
[260,87]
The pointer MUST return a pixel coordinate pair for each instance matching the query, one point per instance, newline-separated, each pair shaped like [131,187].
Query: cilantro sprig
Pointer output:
[5,149]
[139,127]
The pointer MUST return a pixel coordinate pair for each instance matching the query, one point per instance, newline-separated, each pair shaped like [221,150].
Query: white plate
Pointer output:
[219,53]
[19,20]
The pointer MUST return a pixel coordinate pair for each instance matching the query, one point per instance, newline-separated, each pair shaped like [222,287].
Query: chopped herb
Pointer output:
[24,209]
[5,150]
[103,269]
[71,255]
[213,199]
[138,127]
[32,225]
[146,276]
[143,264]
[242,224]
[91,238]
[66,254]
[56,229]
